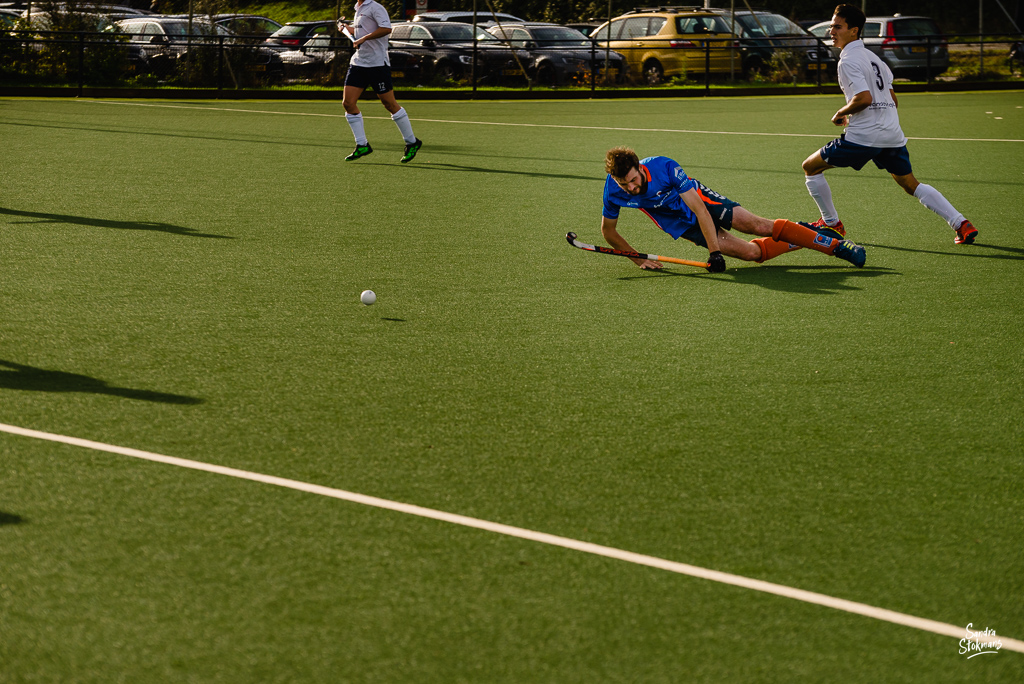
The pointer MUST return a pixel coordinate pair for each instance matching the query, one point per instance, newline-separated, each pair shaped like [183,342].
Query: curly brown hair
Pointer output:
[620,161]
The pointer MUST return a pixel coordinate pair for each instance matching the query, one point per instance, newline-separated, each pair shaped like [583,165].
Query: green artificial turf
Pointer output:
[184,278]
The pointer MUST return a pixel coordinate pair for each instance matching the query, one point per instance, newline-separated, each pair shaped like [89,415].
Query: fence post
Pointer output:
[593,66]
[220,67]
[928,62]
[817,53]
[81,62]
[707,67]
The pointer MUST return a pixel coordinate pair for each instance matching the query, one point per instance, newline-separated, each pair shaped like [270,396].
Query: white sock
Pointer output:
[821,193]
[401,119]
[355,122]
[933,199]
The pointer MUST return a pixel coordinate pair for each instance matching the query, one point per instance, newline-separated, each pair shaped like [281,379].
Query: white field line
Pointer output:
[530,535]
[527,125]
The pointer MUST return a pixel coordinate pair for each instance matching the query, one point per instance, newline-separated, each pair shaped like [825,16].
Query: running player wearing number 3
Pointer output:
[873,131]
[685,208]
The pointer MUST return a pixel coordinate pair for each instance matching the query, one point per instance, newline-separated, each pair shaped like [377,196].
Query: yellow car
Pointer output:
[663,43]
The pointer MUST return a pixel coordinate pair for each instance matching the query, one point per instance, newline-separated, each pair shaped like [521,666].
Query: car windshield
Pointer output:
[773,24]
[290,30]
[560,36]
[444,32]
[485,37]
[915,27]
[180,28]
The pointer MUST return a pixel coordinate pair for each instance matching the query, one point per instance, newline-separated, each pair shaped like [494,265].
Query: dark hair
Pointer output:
[620,161]
[853,17]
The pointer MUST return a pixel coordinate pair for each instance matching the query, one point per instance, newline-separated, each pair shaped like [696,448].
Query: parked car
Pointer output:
[105,14]
[762,34]
[903,44]
[666,42]
[8,18]
[157,43]
[247,25]
[295,34]
[316,59]
[584,27]
[446,49]
[557,54]
[483,17]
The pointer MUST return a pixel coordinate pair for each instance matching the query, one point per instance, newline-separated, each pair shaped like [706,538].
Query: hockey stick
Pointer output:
[571,239]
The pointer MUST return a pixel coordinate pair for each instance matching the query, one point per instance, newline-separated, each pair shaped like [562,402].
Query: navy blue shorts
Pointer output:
[719,206]
[377,79]
[841,152]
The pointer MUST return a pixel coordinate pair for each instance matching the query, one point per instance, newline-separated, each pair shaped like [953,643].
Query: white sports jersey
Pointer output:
[370,16]
[879,124]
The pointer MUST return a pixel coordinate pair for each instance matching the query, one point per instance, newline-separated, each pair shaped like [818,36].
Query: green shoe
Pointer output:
[411,149]
[360,151]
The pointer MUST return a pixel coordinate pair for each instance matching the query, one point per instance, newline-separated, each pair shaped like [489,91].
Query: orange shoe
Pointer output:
[965,234]
[820,225]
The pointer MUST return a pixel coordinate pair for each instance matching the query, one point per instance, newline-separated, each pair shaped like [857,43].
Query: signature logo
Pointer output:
[979,643]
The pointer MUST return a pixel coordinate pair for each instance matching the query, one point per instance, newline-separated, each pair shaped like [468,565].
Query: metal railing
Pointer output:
[216,62]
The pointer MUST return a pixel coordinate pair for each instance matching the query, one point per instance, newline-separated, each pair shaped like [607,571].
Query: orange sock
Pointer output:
[783,230]
[771,248]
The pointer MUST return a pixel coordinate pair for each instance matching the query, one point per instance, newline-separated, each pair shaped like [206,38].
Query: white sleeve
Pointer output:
[380,15]
[855,76]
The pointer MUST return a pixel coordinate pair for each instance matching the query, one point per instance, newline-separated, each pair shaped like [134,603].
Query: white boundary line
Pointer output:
[564,542]
[526,125]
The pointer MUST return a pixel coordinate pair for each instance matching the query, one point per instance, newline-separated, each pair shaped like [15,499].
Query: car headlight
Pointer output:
[466,59]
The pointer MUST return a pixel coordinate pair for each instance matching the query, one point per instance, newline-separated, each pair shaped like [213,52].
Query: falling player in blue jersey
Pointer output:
[685,208]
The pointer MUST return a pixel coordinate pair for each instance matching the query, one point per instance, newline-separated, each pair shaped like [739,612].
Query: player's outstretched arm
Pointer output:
[716,262]
[612,237]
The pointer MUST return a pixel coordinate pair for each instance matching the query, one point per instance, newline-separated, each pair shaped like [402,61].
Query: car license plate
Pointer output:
[919,49]
[397,74]
[258,67]
[815,65]
[511,72]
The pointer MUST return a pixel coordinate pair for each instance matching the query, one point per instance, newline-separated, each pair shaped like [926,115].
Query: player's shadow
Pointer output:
[1013,253]
[188,136]
[40,217]
[816,280]
[29,378]
[10,519]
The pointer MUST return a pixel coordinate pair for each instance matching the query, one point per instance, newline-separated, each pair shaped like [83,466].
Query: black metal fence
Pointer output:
[219,62]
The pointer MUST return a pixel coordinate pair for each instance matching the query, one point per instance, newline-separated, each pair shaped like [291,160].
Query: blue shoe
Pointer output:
[855,254]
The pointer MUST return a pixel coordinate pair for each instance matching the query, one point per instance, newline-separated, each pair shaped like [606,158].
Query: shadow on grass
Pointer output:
[10,519]
[39,217]
[800,279]
[29,378]
[1013,253]
[188,136]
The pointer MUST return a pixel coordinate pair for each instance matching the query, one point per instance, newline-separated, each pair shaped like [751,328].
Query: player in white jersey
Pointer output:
[371,67]
[873,131]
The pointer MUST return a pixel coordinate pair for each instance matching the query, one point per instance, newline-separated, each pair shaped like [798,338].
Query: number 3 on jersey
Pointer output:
[878,77]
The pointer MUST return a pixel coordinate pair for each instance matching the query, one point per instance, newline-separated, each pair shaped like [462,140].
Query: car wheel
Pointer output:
[444,70]
[754,65]
[546,75]
[653,72]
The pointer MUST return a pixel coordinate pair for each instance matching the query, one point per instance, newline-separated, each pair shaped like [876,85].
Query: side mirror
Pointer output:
[429,42]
